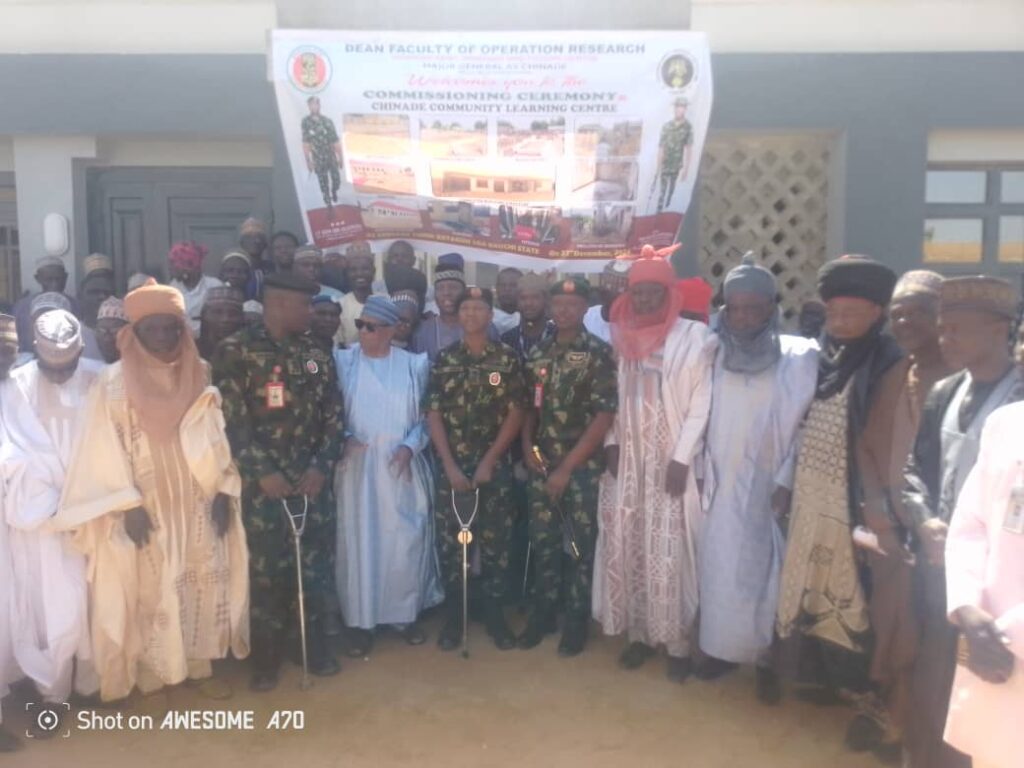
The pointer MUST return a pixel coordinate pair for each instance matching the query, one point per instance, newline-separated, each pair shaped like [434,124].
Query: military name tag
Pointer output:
[275,395]
[1014,522]
[538,395]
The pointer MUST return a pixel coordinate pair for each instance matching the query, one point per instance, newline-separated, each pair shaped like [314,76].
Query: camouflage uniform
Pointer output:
[577,381]
[474,395]
[675,137]
[305,433]
[321,135]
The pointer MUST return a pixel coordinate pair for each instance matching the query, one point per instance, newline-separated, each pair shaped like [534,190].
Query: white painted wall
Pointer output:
[184,154]
[6,154]
[135,26]
[43,180]
[976,147]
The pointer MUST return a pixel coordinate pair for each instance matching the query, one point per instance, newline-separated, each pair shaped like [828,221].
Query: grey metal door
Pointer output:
[136,213]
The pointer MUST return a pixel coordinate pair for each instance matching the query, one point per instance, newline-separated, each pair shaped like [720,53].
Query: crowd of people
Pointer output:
[842,508]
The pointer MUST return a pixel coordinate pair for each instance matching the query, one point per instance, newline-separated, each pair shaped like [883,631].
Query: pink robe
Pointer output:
[985,568]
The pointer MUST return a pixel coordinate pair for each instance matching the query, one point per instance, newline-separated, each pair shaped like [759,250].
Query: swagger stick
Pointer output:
[568,529]
[297,521]
[465,536]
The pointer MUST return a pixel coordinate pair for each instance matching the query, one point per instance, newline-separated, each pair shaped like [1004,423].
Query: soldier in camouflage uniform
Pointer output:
[322,150]
[283,419]
[674,153]
[572,380]
[475,404]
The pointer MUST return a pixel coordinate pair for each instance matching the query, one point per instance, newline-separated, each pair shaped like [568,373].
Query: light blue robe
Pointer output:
[386,563]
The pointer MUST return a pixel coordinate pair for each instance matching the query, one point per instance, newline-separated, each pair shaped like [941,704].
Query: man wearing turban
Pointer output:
[387,567]
[185,260]
[152,497]
[823,606]
[645,569]
[42,410]
[762,386]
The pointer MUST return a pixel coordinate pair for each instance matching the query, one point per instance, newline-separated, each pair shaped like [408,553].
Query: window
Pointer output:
[974,215]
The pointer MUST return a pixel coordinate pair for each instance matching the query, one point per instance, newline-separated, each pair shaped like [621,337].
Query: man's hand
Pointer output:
[457,479]
[221,514]
[933,540]
[401,462]
[311,483]
[675,478]
[276,486]
[611,459]
[351,446]
[484,473]
[988,656]
[138,525]
[781,500]
[556,483]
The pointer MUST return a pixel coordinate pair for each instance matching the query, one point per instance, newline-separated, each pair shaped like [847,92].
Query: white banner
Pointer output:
[536,149]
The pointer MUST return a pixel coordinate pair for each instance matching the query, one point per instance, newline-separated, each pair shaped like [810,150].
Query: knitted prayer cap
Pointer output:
[112,308]
[58,336]
[980,294]
[8,330]
[45,302]
[381,309]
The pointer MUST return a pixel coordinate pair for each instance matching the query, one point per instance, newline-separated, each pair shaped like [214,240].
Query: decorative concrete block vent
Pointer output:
[766,194]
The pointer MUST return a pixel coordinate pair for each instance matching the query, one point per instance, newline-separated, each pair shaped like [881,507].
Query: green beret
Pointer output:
[575,286]
[289,281]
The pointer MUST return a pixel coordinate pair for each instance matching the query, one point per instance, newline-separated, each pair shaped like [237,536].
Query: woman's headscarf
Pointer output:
[160,393]
[634,336]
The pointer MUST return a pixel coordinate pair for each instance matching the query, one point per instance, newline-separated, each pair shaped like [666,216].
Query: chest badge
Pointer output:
[312,367]
[494,379]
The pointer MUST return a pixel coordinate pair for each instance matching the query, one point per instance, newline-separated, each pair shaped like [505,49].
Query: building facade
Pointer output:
[874,126]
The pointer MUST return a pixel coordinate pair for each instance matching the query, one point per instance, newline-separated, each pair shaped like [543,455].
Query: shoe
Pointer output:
[332,624]
[679,668]
[574,637]
[635,655]
[769,688]
[712,669]
[358,643]
[8,741]
[263,681]
[413,634]
[450,637]
[326,666]
[494,620]
[863,734]
[540,624]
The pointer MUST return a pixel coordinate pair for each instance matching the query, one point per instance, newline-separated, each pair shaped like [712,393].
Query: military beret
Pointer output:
[481,294]
[289,281]
[576,286]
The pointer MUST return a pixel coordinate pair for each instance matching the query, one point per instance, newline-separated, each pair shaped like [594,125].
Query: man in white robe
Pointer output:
[386,564]
[763,384]
[152,496]
[649,510]
[42,414]
[8,353]
[985,598]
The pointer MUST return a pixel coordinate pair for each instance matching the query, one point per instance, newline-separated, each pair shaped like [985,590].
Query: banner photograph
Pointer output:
[537,149]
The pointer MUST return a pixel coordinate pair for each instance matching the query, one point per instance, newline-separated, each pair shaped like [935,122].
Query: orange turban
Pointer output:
[153,299]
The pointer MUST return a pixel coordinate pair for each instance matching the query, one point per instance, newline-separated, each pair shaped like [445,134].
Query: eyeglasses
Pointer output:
[366,325]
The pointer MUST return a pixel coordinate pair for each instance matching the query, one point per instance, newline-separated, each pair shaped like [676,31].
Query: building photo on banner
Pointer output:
[518,148]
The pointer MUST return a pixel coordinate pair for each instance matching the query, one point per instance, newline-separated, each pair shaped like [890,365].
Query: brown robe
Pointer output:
[883,449]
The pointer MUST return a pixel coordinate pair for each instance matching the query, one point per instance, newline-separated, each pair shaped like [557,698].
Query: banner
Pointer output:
[534,149]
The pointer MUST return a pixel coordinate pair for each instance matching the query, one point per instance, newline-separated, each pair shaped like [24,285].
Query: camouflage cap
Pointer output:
[575,286]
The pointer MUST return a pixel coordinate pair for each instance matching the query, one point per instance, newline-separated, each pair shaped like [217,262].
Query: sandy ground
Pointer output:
[417,706]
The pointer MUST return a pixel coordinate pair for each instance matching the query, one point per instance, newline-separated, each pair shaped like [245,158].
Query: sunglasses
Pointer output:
[365,325]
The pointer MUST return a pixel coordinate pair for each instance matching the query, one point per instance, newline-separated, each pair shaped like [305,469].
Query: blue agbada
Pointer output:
[386,564]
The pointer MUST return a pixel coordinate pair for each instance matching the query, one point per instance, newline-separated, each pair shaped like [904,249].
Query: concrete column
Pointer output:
[44,184]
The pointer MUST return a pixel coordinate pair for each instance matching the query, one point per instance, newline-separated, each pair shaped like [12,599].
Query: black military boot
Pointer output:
[265,660]
[574,636]
[321,659]
[494,620]
[540,624]
[451,633]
